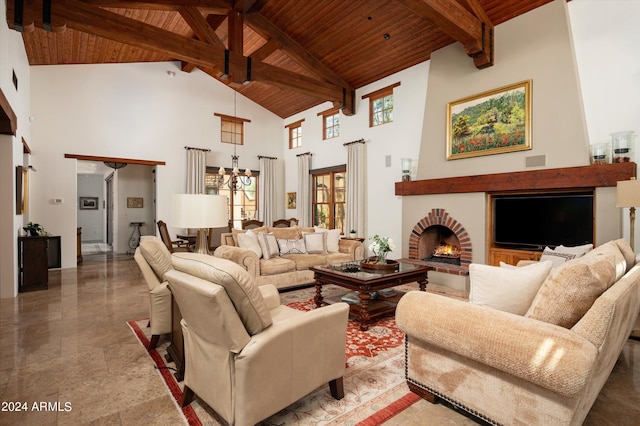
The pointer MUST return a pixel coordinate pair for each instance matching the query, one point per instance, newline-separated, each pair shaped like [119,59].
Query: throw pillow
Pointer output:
[292,246]
[506,288]
[579,251]
[315,242]
[249,240]
[269,245]
[333,238]
[570,290]
[237,282]
[285,233]
[556,257]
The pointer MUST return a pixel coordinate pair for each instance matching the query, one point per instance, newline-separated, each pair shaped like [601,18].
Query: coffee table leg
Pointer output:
[423,284]
[318,297]
[364,310]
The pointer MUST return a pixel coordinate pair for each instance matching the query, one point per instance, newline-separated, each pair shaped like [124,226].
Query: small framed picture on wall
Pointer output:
[88,203]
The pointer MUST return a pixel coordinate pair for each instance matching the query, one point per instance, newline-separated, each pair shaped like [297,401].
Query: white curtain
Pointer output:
[196,170]
[303,202]
[356,188]
[267,190]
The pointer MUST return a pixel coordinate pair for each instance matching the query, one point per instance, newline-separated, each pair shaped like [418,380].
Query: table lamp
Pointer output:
[201,211]
[628,195]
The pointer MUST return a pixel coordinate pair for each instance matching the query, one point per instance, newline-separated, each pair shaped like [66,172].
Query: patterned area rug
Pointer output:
[374,384]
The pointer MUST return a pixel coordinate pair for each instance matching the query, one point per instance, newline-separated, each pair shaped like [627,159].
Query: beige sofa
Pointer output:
[288,270]
[511,369]
[248,356]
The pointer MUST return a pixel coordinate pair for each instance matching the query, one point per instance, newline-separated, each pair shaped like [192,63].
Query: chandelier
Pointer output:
[235,181]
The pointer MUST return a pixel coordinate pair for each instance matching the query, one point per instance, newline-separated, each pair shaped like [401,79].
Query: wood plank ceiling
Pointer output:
[303,52]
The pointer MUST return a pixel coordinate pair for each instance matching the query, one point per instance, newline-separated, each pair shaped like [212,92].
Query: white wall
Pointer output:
[398,139]
[91,221]
[606,36]
[131,111]
[12,59]
[134,181]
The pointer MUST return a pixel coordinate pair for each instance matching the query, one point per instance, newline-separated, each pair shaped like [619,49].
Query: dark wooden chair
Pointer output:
[285,223]
[250,224]
[173,246]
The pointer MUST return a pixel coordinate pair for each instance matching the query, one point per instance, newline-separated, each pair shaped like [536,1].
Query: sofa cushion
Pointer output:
[579,251]
[627,253]
[157,255]
[315,242]
[291,246]
[237,282]
[333,239]
[290,233]
[305,261]
[235,233]
[249,240]
[570,289]
[276,265]
[611,248]
[269,245]
[555,256]
[509,289]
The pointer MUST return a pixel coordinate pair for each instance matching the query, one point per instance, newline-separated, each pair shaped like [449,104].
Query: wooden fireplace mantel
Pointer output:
[566,177]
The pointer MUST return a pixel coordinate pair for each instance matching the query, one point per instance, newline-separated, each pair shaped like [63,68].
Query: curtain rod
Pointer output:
[197,149]
[304,153]
[264,156]
[352,142]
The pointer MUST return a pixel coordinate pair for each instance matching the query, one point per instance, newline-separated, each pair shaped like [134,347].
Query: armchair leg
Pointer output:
[153,342]
[336,387]
[187,396]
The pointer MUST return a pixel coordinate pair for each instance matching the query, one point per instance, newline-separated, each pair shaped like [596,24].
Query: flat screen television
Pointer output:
[533,221]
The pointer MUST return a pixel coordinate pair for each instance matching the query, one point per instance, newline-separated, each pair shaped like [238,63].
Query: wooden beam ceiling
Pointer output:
[471,28]
[206,52]
[301,53]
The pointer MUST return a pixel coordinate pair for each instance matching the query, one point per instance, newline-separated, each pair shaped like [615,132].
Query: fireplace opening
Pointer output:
[440,244]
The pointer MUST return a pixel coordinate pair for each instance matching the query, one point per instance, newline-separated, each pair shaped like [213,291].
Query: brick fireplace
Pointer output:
[434,231]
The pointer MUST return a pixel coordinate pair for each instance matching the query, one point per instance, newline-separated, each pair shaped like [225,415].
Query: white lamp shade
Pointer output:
[199,211]
[628,193]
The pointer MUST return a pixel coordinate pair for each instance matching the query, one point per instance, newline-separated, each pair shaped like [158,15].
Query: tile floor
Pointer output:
[69,346]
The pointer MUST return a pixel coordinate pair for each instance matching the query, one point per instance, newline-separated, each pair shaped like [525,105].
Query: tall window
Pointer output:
[329,197]
[242,203]
[381,105]
[232,129]
[295,134]
[330,123]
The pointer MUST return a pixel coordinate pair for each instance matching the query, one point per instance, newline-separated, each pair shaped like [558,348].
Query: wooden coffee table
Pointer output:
[365,282]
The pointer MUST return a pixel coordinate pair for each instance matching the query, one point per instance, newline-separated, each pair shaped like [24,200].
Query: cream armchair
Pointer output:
[154,260]
[248,356]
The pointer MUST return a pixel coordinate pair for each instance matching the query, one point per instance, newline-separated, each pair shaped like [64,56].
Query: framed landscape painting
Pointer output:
[492,122]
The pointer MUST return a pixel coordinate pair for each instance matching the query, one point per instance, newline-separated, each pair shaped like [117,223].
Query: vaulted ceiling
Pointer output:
[286,55]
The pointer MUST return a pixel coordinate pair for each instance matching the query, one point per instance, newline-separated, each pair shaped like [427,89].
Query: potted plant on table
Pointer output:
[352,234]
[33,229]
[380,247]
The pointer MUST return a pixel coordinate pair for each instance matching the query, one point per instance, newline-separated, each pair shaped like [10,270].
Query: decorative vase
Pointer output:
[382,258]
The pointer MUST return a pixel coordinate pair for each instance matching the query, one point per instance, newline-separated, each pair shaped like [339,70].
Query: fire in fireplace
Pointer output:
[445,253]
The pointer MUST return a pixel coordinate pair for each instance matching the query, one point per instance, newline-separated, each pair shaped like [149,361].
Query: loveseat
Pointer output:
[545,367]
[284,258]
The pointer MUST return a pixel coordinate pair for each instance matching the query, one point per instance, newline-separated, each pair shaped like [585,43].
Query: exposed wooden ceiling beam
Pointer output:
[200,26]
[208,6]
[471,28]
[268,30]
[84,17]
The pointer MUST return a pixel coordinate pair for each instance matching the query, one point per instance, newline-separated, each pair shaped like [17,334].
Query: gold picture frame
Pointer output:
[492,122]
[22,190]
[291,200]
[135,202]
